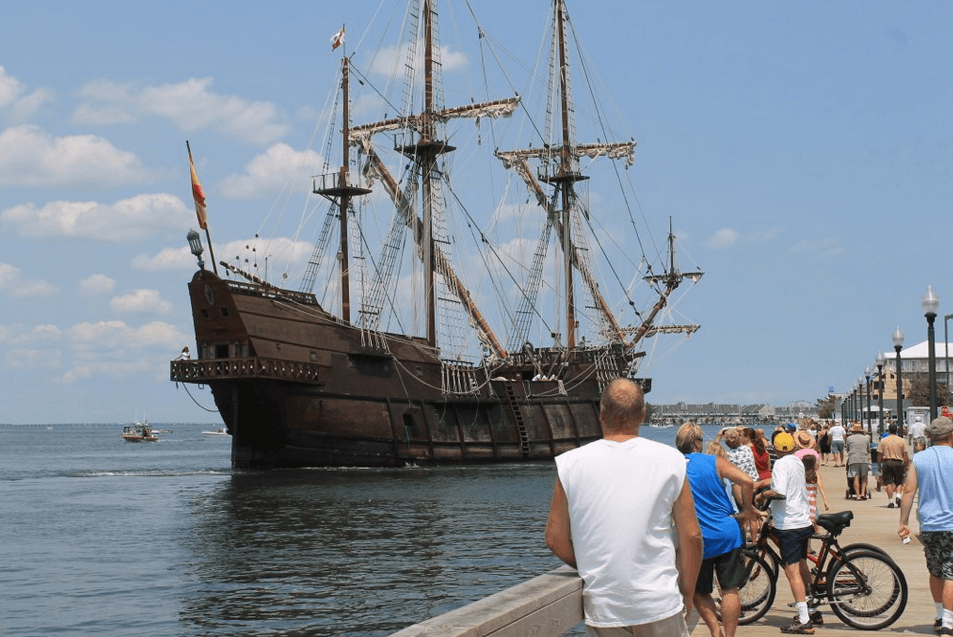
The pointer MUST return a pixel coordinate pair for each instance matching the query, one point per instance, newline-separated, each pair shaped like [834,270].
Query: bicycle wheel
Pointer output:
[820,585]
[759,589]
[863,546]
[867,591]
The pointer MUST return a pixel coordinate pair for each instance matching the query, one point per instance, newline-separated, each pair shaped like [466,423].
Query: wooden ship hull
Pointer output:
[298,388]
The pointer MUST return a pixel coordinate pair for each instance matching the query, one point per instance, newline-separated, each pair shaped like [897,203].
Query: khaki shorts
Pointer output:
[673,626]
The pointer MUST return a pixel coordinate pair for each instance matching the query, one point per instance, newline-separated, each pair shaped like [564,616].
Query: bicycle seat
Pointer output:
[835,523]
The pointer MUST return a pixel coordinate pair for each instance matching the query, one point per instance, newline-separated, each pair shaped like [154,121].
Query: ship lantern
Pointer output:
[195,244]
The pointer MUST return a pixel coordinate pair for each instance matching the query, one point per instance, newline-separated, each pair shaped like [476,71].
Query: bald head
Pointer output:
[622,408]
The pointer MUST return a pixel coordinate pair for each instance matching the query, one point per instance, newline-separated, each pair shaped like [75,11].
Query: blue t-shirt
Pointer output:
[934,467]
[720,531]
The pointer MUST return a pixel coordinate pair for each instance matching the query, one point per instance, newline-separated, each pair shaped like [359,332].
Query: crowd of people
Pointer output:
[650,528]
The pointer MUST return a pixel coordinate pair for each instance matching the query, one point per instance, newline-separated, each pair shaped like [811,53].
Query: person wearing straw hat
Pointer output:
[804,440]
[930,478]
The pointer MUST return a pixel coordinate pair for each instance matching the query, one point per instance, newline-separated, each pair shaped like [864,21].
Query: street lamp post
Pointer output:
[897,346]
[946,356]
[854,406]
[867,377]
[880,394]
[930,302]
[860,400]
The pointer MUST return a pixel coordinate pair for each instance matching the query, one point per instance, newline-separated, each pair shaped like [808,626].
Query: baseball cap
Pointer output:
[784,442]
[940,427]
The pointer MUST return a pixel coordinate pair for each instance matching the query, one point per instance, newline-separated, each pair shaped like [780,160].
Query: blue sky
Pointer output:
[804,151]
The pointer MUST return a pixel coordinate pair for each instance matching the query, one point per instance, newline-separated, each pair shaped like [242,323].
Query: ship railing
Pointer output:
[201,371]
[545,606]
[269,292]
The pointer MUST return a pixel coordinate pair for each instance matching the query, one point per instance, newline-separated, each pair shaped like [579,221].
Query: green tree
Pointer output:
[919,391]
[825,407]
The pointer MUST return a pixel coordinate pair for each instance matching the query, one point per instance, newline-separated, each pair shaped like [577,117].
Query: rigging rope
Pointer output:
[186,388]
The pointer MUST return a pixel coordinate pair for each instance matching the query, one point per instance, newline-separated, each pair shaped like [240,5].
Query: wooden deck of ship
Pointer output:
[551,604]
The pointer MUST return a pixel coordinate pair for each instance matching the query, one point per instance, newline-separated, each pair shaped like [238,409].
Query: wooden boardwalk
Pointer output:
[873,523]
[551,604]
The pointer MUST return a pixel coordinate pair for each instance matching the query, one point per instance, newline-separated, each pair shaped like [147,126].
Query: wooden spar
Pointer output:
[344,203]
[343,192]
[428,162]
[566,186]
[440,259]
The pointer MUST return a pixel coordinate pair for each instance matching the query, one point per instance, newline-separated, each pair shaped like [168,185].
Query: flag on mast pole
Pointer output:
[197,193]
[337,39]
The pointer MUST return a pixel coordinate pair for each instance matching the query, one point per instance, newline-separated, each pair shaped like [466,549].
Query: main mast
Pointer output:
[425,152]
[566,175]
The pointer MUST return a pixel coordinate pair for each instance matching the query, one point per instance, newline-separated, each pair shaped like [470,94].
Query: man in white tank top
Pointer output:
[621,506]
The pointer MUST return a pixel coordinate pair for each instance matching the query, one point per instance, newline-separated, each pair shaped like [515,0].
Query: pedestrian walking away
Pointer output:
[620,506]
[858,460]
[893,459]
[917,434]
[838,436]
[929,478]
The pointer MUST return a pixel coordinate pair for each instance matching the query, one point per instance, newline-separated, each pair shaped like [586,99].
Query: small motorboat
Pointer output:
[217,432]
[139,432]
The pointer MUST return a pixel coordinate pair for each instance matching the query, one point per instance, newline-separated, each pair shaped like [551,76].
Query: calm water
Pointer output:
[103,537]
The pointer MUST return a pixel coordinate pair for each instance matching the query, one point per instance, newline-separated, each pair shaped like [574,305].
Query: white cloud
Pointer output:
[114,349]
[13,99]
[281,253]
[190,105]
[12,280]
[167,259]
[29,156]
[32,288]
[9,275]
[105,349]
[822,247]
[97,284]
[279,167]
[141,301]
[32,359]
[128,219]
[390,61]
[724,238]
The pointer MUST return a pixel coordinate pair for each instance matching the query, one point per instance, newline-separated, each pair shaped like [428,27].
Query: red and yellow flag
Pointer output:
[198,194]
[337,39]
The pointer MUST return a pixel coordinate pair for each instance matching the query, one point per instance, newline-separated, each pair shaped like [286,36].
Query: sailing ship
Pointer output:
[298,384]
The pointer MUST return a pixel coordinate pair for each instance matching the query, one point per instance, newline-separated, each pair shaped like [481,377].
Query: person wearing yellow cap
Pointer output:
[791,511]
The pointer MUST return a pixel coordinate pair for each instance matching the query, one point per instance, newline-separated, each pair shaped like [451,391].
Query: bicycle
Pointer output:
[862,585]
